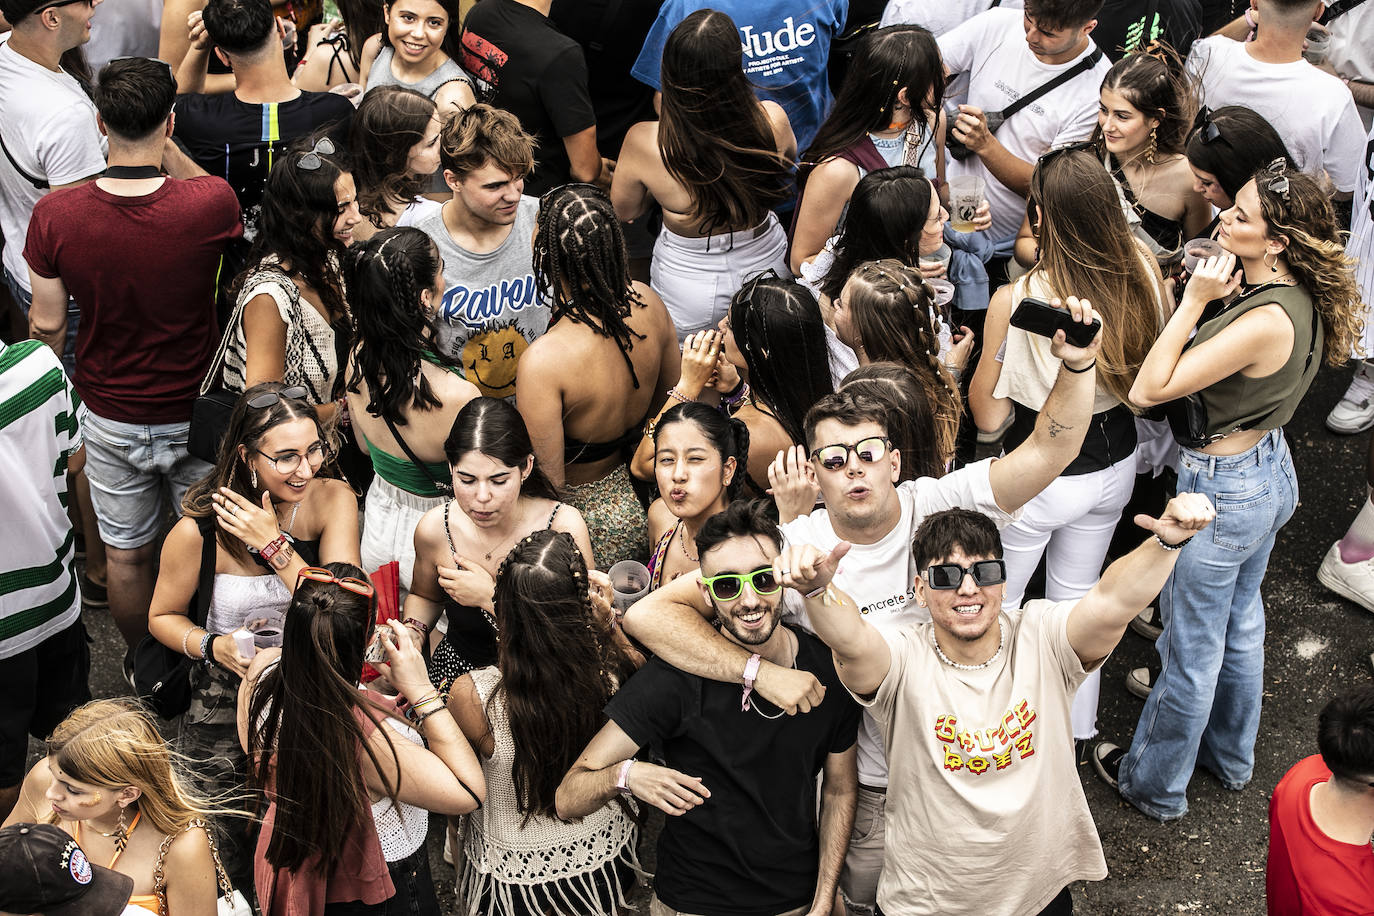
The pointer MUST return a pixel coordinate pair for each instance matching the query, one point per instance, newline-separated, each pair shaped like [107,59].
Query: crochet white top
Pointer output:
[506,860]
[401,827]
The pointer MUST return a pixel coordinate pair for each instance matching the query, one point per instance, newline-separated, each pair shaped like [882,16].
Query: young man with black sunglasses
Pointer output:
[856,467]
[974,710]
[740,781]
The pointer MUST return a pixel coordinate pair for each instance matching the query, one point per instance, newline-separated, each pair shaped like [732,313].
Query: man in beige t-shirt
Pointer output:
[985,813]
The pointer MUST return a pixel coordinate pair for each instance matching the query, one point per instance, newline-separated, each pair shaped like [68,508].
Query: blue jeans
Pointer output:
[24,299]
[1205,707]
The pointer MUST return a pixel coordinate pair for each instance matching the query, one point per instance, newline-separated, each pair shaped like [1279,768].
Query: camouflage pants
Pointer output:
[209,739]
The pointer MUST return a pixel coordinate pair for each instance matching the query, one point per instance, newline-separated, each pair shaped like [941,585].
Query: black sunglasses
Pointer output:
[1275,178]
[949,576]
[268,398]
[1206,129]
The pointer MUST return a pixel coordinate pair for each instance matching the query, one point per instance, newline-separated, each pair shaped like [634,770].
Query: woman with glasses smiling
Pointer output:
[1285,298]
[269,516]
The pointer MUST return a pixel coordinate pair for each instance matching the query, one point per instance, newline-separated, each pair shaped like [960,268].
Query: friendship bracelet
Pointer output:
[1172,547]
[1068,368]
[419,721]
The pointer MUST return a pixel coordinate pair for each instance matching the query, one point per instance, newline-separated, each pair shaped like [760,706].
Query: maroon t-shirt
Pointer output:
[142,270]
[1309,873]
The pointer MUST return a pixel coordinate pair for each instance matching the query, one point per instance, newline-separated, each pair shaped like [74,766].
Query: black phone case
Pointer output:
[1039,317]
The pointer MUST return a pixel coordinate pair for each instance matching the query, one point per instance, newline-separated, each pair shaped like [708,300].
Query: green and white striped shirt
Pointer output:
[40,428]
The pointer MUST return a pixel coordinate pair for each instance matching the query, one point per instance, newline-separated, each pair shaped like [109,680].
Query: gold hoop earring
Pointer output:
[1273,268]
[1153,148]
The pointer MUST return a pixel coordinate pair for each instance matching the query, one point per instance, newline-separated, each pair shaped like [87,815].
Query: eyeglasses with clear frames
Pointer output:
[287,464]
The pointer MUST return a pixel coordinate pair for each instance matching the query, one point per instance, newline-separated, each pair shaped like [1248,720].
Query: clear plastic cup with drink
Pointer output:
[629,582]
[939,257]
[1318,45]
[1199,250]
[965,194]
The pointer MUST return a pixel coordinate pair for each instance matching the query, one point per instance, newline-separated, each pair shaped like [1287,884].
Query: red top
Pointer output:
[1309,873]
[142,270]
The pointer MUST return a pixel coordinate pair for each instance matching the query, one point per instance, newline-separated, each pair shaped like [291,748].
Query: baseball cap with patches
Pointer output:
[43,870]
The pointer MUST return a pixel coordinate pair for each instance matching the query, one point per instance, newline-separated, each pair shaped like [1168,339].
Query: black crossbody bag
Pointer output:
[445,487]
[996,119]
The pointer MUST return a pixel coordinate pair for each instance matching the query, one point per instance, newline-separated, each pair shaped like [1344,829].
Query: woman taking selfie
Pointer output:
[608,357]
[402,397]
[350,780]
[717,161]
[269,516]
[887,113]
[1290,299]
[110,781]
[500,495]
[698,458]
[560,661]
[393,141]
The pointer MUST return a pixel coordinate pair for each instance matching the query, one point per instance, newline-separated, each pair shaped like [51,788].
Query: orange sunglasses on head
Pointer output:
[316,574]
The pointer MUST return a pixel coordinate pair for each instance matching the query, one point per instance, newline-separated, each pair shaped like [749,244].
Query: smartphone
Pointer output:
[1039,317]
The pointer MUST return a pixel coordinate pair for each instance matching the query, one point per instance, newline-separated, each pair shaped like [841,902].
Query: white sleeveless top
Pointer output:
[401,827]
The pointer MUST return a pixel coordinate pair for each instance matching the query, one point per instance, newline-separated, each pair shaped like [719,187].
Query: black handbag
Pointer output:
[214,404]
[162,676]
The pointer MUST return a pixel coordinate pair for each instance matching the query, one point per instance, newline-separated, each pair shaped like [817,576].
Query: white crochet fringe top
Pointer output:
[505,861]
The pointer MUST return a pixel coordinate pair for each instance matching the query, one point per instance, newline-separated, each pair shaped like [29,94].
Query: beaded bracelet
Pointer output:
[678,395]
[186,637]
[1172,547]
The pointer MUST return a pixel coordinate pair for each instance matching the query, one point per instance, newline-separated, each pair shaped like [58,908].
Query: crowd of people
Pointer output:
[556,415]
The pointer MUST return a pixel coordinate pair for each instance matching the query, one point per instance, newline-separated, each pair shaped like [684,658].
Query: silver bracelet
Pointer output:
[185,639]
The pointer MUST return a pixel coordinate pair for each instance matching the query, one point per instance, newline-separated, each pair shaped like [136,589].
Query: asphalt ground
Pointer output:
[1212,860]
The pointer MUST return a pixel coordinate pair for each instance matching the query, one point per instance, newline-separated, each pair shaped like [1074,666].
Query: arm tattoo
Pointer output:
[1056,427]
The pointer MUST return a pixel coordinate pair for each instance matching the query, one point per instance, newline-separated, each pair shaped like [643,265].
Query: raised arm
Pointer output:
[1100,617]
[862,656]
[672,622]
[1061,425]
[990,411]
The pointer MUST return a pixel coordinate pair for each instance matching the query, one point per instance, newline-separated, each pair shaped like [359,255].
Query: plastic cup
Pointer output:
[939,256]
[965,194]
[1197,251]
[1318,44]
[629,582]
[266,630]
[944,296]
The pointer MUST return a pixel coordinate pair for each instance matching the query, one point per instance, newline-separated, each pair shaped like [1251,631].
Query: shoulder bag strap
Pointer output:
[212,375]
[38,183]
[1334,11]
[1083,66]
[205,588]
[226,888]
[443,487]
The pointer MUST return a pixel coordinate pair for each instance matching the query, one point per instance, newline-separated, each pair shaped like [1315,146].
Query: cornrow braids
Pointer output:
[393,331]
[581,264]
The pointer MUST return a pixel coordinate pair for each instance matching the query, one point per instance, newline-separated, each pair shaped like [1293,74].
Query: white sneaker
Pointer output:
[1349,580]
[1354,412]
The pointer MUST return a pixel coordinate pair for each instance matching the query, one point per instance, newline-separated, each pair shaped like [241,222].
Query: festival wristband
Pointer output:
[751,671]
[416,624]
[273,548]
[622,784]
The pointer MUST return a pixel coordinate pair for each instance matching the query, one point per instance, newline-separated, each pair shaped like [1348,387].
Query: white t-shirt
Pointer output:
[1312,110]
[991,48]
[881,576]
[48,125]
[985,812]
[939,16]
[1352,49]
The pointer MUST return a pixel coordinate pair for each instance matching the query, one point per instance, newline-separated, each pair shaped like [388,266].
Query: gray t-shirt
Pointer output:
[491,310]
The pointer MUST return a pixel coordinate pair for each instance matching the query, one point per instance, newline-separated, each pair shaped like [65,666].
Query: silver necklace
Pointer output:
[978,667]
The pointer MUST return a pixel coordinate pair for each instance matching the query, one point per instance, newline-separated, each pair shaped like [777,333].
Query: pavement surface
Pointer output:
[1212,860]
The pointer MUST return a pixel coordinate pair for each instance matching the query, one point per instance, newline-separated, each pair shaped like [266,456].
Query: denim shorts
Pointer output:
[134,469]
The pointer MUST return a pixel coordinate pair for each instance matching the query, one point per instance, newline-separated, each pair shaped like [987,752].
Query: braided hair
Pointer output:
[387,275]
[581,264]
[559,663]
[890,305]
[778,328]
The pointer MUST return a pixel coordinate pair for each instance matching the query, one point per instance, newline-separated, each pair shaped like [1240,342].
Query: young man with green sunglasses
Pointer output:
[733,759]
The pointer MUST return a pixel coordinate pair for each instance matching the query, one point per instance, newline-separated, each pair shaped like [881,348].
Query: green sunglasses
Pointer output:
[729,586]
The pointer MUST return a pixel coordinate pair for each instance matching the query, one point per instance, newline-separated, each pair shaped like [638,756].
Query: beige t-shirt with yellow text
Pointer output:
[985,812]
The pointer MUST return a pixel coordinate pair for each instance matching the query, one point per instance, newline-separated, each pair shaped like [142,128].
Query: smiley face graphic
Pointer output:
[490,358]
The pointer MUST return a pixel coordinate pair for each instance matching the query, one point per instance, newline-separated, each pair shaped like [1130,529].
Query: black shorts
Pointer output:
[41,685]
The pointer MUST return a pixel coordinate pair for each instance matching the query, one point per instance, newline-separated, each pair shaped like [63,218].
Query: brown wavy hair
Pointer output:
[891,306]
[712,133]
[559,664]
[384,129]
[1157,85]
[1316,255]
[1087,250]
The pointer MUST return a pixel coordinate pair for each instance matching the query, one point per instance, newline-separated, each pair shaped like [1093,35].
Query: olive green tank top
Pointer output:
[1238,402]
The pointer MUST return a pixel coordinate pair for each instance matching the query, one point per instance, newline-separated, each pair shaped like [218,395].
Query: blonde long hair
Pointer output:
[115,743]
[1087,250]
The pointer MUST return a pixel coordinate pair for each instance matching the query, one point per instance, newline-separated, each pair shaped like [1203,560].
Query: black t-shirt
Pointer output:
[752,848]
[610,47]
[1122,25]
[239,141]
[526,66]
